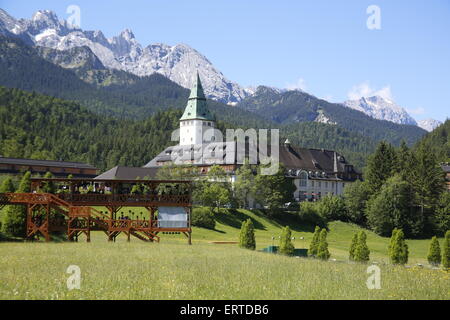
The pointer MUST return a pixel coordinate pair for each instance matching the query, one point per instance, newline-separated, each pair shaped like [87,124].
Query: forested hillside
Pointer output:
[42,127]
[121,95]
[438,142]
[296,106]
[126,96]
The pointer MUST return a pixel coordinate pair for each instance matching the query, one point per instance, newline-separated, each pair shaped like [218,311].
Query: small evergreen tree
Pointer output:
[446,252]
[247,235]
[353,247]
[312,252]
[399,249]
[7,186]
[322,250]
[286,246]
[362,252]
[391,241]
[434,252]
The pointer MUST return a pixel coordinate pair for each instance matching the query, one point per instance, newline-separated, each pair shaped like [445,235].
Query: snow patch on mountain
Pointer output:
[381,108]
[429,124]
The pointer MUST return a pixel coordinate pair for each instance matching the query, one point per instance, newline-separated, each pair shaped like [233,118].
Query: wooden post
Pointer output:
[189,225]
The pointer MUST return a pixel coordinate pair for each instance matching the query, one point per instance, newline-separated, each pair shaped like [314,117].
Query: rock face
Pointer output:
[381,108]
[179,63]
[429,124]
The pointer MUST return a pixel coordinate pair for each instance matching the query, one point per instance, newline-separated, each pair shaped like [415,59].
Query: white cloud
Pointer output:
[299,84]
[365,90]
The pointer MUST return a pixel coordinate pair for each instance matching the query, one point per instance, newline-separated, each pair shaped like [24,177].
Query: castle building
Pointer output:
[315,172]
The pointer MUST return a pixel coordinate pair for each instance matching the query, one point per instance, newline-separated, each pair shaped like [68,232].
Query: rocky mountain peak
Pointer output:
[429,124]
[381,108]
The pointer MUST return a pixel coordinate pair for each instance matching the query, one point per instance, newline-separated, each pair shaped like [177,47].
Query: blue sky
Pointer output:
[321,46]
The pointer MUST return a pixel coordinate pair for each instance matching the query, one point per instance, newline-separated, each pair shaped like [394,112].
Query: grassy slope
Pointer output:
[339,236]
[174,270]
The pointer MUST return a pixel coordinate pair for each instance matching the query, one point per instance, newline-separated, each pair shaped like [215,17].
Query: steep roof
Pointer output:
[196,107]
[128,173]
[45,163]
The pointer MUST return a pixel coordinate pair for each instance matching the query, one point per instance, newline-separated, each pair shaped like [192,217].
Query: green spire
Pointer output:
[196,107]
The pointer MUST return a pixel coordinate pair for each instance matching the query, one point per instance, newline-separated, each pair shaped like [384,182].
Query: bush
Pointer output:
[314,245]
[286,246]
[332,208]
[434,252]
[398,249]
[362,251]
[309,214]
[446,252]
[355,199]
[322,250]
[247,235]
[203,217]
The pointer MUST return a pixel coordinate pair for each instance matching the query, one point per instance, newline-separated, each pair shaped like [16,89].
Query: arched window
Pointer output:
[303,179]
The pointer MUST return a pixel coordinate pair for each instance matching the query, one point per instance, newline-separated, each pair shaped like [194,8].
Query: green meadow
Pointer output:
[173,270]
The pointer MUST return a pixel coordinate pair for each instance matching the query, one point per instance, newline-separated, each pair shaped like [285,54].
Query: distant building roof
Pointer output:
[45,163]
[201,154]
[446,167]
[128,173]
[294,158]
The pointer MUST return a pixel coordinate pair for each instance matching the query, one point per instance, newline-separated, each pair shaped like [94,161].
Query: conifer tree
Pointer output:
[434,252]
[247,235]
[353,247]
[286,246]
[399,249]
[362,251]
[391,241]
[7,186]
[15,216]
[380,166]
[446,252]
[322,250]
[312,252]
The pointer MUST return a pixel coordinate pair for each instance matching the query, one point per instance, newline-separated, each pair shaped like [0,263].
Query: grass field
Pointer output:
[174,270]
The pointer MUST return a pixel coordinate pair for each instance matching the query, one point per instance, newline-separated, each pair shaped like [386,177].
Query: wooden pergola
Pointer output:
[72,206]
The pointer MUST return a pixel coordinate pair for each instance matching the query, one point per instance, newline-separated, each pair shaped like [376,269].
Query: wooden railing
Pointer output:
[68,199]
[104,199]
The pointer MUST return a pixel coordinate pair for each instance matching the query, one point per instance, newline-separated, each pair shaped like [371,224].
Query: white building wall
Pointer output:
[191,131]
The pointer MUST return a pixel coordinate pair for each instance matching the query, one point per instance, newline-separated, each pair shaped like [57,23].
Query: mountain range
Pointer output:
[123,52]
[97,59]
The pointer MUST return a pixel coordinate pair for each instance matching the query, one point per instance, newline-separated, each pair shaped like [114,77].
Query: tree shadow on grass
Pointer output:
[286,218]
[234,219]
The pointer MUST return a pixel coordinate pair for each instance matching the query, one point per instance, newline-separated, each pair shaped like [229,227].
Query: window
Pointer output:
[303,179]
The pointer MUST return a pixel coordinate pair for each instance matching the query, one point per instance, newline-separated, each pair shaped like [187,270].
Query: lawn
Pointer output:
[174,270]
